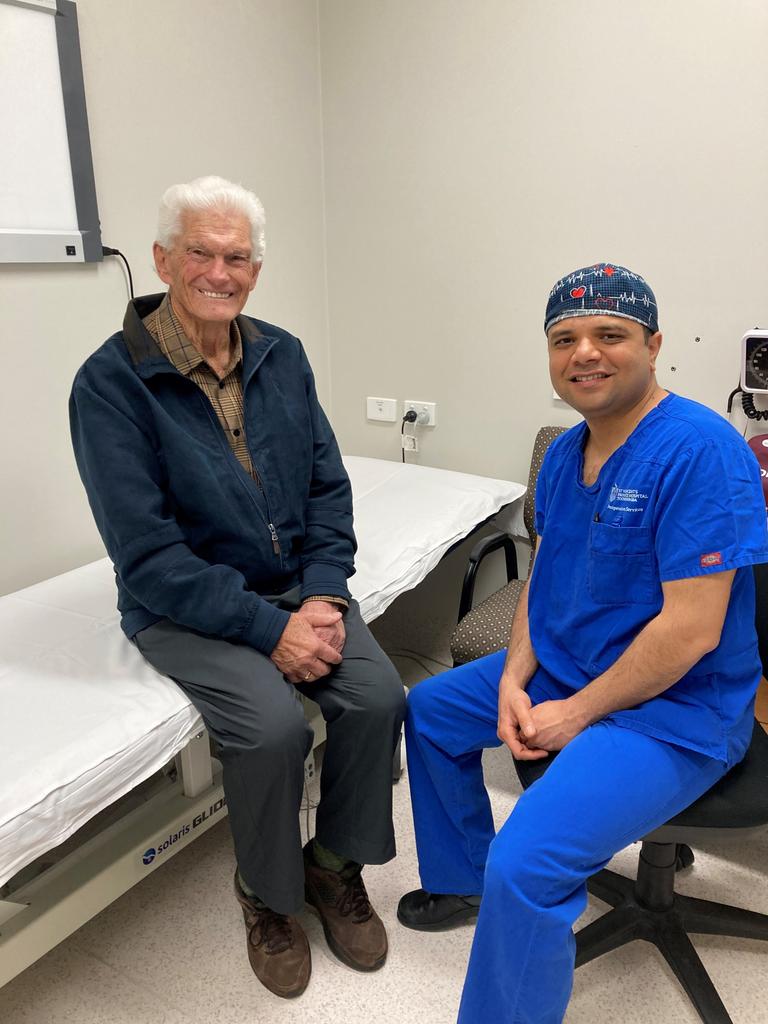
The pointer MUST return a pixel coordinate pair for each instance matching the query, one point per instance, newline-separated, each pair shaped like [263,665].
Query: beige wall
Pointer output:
[476,151]
[463,154]
[175,89]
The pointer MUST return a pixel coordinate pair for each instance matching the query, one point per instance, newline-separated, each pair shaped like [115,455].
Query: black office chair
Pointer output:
[648,906]
[485,629]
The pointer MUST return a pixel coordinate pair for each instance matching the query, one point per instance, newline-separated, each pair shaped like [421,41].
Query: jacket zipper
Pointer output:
[257,473]
[275,540]
[258,478]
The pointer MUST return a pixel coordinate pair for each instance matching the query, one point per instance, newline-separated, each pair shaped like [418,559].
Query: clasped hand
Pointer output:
[531,732]
[311,643]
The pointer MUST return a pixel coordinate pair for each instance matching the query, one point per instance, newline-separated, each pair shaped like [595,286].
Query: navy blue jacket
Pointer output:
[193,538]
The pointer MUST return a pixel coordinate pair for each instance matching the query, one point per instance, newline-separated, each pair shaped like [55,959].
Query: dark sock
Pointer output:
[327,858]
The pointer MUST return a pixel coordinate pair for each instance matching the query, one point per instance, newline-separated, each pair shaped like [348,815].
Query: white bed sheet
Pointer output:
[84,719]
[406,518]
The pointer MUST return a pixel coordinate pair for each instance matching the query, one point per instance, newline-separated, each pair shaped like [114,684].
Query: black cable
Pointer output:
[107,251]
[307,805]
[748,405]
[410,417]
[403,652]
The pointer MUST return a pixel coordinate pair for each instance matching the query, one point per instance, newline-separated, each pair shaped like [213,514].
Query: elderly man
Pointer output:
[632,655]
[218,489]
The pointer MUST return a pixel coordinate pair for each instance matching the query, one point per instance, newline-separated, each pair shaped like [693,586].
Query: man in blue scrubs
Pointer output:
[632,654]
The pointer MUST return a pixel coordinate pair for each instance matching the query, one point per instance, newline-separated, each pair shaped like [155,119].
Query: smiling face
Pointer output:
[603,366]
[208,268]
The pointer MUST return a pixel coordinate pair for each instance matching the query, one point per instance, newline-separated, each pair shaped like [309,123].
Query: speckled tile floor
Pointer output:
[171,951]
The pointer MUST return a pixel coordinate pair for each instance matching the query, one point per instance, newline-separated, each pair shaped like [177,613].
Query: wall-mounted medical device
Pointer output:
[754,362]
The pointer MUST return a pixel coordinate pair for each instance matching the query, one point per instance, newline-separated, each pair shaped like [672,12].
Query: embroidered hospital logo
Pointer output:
[713,558]
[629,499]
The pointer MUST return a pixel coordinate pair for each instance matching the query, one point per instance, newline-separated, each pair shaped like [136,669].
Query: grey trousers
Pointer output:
[257,722]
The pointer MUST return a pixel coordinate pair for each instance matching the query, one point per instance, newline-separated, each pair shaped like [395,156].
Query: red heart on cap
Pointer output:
[578,293]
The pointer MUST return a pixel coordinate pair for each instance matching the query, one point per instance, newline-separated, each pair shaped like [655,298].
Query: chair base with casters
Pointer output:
[648,907]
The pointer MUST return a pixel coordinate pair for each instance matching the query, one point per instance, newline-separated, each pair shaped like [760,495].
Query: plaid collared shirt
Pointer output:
[224,393]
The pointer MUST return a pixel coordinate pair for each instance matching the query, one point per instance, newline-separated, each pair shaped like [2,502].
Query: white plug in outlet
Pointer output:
[426,412]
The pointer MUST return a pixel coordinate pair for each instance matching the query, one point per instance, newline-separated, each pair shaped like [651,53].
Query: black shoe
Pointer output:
[434,912]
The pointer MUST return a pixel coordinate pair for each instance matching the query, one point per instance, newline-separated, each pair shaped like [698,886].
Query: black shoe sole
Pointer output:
[444,924]
[337,950]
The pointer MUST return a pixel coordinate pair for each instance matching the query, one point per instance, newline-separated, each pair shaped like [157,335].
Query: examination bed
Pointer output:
[85,720]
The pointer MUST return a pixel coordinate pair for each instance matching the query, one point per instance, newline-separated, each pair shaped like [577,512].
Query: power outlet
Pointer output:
[426,412]
[309,767]
[410,443]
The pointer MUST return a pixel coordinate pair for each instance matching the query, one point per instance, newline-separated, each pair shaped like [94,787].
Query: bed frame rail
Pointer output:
[56,902]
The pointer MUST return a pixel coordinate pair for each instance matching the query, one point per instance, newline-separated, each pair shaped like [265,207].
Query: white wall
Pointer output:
[476,151]
[174,89]
[464,154]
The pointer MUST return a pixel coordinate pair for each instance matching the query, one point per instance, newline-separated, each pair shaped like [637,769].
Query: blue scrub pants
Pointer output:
[607,788]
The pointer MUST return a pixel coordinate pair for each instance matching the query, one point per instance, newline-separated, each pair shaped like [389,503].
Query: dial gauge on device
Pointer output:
[754,362]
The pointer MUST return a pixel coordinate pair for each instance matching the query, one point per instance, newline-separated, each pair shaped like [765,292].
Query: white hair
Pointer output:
[210,193]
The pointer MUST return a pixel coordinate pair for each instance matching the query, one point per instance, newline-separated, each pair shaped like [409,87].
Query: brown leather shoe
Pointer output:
[353,929]
[277,948]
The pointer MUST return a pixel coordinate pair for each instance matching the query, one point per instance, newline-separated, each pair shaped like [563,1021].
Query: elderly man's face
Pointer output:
[208,267]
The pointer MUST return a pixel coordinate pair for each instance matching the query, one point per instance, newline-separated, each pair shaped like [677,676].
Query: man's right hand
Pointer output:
[300,654]
[515,721]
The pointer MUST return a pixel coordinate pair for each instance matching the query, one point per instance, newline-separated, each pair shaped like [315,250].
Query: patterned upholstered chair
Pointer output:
[485,629]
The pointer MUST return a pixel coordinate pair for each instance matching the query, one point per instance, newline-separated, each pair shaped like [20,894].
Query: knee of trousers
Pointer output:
[426,708]
[523,871]
[383,699]
[272,732]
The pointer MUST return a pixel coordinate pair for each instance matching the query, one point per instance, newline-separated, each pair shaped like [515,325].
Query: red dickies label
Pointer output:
[713,558]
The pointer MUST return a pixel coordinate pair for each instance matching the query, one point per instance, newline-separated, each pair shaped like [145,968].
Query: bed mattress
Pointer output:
[85,719]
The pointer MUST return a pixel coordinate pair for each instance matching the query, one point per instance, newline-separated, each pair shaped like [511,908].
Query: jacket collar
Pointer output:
[148,358]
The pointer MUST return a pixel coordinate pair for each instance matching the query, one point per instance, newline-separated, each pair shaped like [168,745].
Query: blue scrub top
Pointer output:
[682,497]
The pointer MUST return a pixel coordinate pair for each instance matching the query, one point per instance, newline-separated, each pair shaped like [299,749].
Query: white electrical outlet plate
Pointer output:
[426,412]
[381,409]
[410,443]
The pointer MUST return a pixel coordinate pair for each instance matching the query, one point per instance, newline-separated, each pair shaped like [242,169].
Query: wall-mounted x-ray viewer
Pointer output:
[48,211]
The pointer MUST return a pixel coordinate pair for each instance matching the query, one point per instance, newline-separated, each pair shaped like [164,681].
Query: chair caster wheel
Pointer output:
[685,857]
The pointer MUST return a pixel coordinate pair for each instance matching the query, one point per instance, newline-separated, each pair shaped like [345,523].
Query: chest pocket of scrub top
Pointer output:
[621,564]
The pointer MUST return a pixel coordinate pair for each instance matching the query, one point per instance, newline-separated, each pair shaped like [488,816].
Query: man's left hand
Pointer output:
[556,723]
[333,635]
